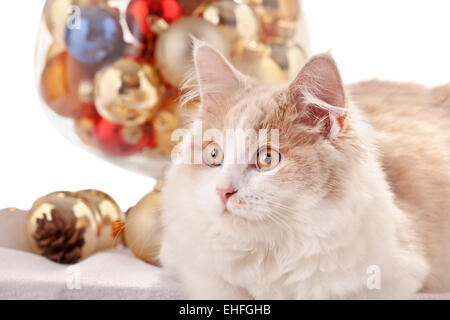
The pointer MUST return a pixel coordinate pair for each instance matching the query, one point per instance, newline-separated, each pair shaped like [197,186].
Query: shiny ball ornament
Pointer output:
[289,56]
[109,212]
[143,228]
[59,13]
[55,49]
[62,227]
[98,39]
[117,140]
[170,117]
[84,128]
[254,60]
[174,47]
[139,13]
[189,6]
[127,92]
[60,82]
[237,21]
[278,18]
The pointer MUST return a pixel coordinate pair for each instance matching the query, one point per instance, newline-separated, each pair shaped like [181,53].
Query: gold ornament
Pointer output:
[289,56]
[57,14]
[55,49]
[110,214]
[84,127]
[237,21]
[254,60]
[278,18]
[190,5]
[127,92]
[62,227]
[170,117]
[174,47]
[143,228]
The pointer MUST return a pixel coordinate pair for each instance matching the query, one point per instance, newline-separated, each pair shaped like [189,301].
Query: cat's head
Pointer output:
[284,178]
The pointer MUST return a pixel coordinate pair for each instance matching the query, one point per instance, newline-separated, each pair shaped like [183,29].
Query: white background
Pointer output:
[399,40]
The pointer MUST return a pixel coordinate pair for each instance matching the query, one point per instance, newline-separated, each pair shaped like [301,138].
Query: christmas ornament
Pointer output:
[84,127]
[189,6]
[62,227]
[289,56]
[143,227]
[140,12]
[127,92]
[98,39]
[110,214]
[55,49]
[174,47]
[236,20]
[115,67]
[59,14]
[169,118]
[278,18]
[60,83]
[117,140]
[255,60]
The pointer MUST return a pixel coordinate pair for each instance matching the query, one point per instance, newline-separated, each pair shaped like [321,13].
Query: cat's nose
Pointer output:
[225,194]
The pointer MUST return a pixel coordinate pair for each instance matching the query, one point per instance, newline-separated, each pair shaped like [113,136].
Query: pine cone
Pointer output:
[59,239]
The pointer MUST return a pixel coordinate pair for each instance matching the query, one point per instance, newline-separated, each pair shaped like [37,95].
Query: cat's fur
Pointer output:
[364,181]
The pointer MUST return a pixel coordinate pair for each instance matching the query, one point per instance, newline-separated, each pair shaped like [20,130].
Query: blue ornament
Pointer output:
[96,38]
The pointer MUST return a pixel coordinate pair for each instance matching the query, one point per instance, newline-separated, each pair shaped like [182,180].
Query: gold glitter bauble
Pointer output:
[143,228]
[57,14]
[109,212]
[289,56]
[174,47]
[237,21]
[278,18]
[62,227]
[170,117]
[254,60]
[84,127]
[127,92]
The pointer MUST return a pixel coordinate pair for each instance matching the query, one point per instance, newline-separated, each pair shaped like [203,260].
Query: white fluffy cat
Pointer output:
[311,218]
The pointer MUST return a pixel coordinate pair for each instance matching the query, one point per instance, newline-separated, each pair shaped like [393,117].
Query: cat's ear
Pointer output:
[216,77]
[318,95]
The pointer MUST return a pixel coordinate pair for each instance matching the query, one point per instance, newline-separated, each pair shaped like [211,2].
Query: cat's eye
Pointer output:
[267,159]
[213,155]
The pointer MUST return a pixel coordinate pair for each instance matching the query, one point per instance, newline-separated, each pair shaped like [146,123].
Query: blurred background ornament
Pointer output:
[279,18]
[289,56]
[59,86]
[169,118]
[116,140]
[143,227]
[127,92]
[97,39]
[62,227]
[140,12]
[55,49]
[115,67]
[57,14]
[237,21]
[110,214]
[189,6]
[254,60]
[174,46]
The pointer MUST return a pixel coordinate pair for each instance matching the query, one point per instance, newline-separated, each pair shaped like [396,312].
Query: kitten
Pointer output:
[354,202]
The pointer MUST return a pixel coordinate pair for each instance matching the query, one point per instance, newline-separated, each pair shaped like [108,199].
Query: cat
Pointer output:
[354,202]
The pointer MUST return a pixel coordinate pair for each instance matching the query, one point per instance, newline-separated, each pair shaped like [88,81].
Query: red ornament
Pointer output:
[139,14]
[117,140]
